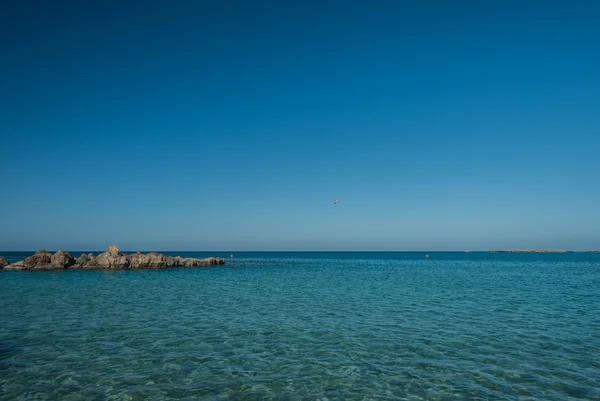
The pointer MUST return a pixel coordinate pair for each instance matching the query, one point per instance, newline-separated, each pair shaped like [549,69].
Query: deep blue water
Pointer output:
[308,326]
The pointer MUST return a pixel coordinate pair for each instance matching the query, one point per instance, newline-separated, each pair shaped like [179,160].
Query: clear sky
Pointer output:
[233,125]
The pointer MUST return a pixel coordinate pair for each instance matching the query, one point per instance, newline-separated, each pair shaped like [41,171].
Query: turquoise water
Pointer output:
[308,326]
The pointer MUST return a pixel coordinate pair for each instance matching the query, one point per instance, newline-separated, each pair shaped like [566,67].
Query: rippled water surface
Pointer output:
[308,326]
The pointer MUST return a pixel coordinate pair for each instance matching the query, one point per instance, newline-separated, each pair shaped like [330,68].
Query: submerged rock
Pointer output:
[3,262]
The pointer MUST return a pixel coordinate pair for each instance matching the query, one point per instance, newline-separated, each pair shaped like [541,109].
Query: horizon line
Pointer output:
[537,250]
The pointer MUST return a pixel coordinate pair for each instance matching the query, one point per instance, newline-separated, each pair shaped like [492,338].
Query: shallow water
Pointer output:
[308,326]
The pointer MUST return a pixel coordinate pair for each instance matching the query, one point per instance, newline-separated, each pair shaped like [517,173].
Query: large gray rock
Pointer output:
[3,262]
[62,260]
[111,259]
[42,259]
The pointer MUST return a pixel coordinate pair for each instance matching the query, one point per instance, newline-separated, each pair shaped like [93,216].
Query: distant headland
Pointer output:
[112,259]
[537,251]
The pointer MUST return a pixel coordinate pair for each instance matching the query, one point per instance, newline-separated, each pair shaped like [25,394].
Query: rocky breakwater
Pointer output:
[112,259]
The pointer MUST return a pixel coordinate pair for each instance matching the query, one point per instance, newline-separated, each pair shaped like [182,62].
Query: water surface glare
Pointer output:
[308,326]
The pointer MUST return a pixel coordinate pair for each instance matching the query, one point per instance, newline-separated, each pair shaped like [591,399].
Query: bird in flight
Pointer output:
[335,202]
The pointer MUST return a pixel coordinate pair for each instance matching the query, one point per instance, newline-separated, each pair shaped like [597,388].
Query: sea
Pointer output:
[307,326]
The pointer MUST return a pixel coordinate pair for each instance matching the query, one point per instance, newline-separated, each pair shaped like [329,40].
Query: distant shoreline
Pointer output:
[539,251]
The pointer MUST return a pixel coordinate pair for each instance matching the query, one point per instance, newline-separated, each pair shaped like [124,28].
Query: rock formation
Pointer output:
[42,259]
[150,260]
[62,260]
[83,260]
[111,259]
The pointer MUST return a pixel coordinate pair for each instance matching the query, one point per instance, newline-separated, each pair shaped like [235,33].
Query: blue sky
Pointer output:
[233,125]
